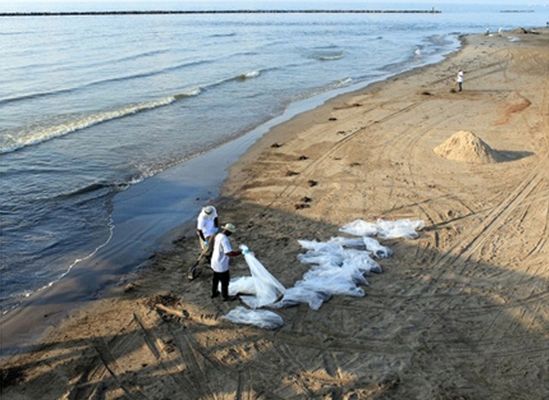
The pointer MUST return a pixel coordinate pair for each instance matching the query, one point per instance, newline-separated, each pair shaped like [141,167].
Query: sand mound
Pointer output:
[467,147]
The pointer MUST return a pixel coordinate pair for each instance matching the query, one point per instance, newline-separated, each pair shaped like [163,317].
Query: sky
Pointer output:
[152,3]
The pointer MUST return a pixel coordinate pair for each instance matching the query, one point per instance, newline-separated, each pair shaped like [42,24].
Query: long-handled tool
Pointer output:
[194,270]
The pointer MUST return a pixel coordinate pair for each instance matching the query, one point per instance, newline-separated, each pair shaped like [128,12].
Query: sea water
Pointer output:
[93,107]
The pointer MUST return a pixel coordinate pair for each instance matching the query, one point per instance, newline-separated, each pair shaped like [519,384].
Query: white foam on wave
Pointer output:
[195,91]
[111,227]
[37,134]
[146,171]
[331,57]
[343,82]
[251,74]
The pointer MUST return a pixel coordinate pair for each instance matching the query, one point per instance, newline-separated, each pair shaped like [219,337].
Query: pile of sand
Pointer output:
[467,147]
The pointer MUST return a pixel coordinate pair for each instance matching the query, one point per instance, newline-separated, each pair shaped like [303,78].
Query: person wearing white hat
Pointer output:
[207,226]
[222,252]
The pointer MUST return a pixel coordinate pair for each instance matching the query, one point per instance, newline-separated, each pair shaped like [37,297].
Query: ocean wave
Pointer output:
[38,134]
[145,74]
[327,47]
[15,33]
[240,77]
[98,190]
[439,40]
[328,55]
[35,134]
[111,227]
[101,82]
[92,187]
[331,58]
[189,93]
[35,95]
[218,35]
[343,82]
[249,75]
[334,85]
[28,293]
[130,57]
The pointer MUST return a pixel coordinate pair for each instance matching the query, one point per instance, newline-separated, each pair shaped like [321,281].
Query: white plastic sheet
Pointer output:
[266,289]
[402,228]
[359,228]
[241,285]
[260,318]
[377,250]
[338,267]
[302,294]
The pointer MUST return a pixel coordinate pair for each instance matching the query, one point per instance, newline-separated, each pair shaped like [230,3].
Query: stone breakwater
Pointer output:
[160,12]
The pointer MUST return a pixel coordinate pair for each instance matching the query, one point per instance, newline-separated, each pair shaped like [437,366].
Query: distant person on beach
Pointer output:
[207,226]
[459,80]
[222,252]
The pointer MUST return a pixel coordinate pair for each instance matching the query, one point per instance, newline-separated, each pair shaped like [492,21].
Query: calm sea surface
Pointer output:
[93,106]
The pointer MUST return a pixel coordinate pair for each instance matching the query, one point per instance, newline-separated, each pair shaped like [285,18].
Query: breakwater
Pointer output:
[170,12]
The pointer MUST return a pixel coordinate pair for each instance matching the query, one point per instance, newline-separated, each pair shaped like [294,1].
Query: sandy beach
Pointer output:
[460,313]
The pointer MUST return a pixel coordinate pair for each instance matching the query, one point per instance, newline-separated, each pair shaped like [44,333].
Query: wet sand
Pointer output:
[460,312]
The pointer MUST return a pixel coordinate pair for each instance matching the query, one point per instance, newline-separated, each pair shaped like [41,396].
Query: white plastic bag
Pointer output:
[241,285]
[359,228]
[361,260]
[300,294]
[338,267]
[402,228]
[260,318]
[377,250]
[267,289]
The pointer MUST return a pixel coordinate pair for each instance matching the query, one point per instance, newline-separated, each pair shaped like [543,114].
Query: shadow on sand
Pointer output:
[434,325]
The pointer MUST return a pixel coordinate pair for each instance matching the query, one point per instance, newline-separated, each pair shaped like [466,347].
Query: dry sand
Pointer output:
[465,146]
[460,313]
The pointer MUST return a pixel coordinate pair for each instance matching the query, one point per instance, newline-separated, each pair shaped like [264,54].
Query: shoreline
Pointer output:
[37,323]
[367,153]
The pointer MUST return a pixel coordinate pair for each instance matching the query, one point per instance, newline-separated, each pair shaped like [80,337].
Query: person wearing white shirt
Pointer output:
[459,80]
[206,227]
[222,252]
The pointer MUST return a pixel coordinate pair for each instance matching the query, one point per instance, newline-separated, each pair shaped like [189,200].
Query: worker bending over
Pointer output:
[207,226]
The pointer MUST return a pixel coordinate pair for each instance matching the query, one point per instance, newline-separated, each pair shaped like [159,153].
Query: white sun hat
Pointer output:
[229,227]
[209,210]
